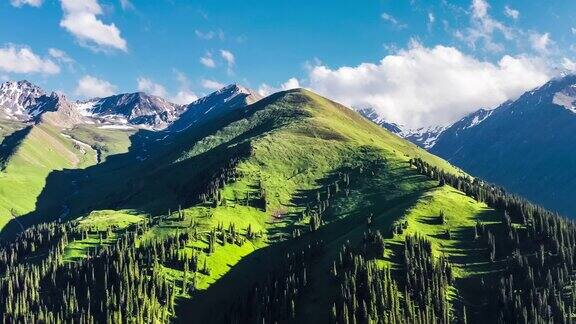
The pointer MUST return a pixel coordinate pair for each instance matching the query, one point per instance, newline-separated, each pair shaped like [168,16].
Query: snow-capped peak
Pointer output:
[17,96]
[219,102]
[424,136]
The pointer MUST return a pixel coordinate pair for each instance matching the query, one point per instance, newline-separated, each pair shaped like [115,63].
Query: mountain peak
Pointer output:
[16,97]
[232,96]
[137,108]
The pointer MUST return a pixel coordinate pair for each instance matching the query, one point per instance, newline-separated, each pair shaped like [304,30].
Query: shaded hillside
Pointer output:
[527,146]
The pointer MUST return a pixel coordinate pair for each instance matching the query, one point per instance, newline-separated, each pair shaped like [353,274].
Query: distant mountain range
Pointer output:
[26,102]
[424,137]
[509,145]
[527,145]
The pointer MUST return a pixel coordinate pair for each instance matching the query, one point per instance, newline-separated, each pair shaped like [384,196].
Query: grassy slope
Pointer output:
[7,127]
[23,178]
[292,161]
[46,149]
[299,140]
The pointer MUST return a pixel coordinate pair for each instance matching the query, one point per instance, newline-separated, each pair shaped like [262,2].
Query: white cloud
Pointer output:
[228,57]
[21,59]
[392,20]
[126,5]
[60,55]
[20,3]
[541,42]
[91,87]
[292,83]
[431,18]
[184,95]
[211,34]
[212,84]
[568,64]
[207,60]
[150,87]
[80,19]
[483,27]
[512,13]
[265,89]
[422,86]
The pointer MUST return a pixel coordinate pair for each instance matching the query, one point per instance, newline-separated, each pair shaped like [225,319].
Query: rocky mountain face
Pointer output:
[26,102]
[527,145]
[58,111]
[424,137]
[139,109]
[18,99]
[214,105]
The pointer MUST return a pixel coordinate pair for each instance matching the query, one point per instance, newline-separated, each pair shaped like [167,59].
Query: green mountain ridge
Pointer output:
[273,213]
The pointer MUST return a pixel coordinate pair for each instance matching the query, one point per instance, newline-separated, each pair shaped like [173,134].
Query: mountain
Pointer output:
[139,109]
[301,207]
[372,114]
[527,145]
[16,99]
[25,102]
[424,137]
[214,105]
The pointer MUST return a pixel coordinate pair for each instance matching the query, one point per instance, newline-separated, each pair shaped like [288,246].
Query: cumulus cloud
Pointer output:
[184,97]
[150,87]
[91,87]
[21,59]
[512,13]
[212,84]
[392,21]
[184,94]
[265,89]
[207,61]
[422,86]
[20,3]
[292,83]
[80,19]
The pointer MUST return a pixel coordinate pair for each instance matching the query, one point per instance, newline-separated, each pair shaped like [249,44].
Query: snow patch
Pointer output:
[478,119]
[124,127]
[566,100]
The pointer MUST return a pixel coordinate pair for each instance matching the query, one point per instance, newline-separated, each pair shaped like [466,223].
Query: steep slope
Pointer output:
[527,145]
[424,137]
[138,108]
[17,97]
[214,105]
[39,150]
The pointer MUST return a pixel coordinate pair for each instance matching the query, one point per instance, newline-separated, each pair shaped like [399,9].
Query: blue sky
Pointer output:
[361,55]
